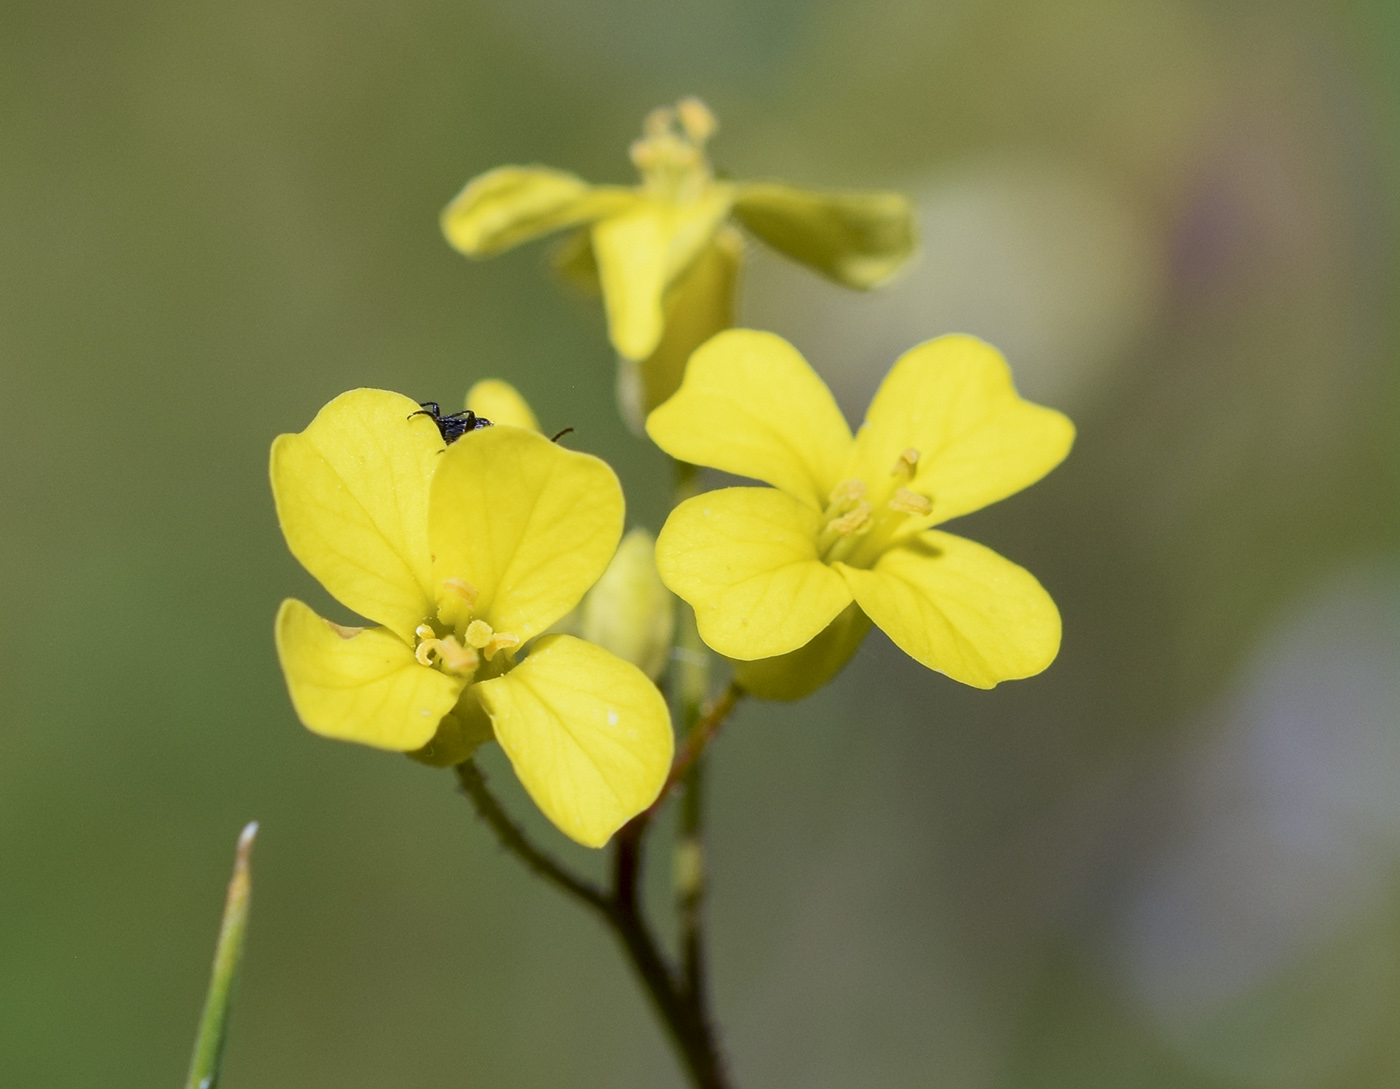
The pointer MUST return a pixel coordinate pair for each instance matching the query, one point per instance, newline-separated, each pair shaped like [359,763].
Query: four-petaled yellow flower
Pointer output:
[844,535]
[662,253]
[462,555]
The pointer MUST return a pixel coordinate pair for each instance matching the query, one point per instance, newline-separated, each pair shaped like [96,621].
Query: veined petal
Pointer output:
[587,733]
[700,305]
[953,401]
[513,204]
[360,684]
[501,403]
[960,609]
[857,239]
[746,561]
[751,405]
[352,497]
[528,524]
[642,252]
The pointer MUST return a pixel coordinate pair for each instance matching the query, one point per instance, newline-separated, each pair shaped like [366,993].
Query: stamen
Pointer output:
[463,589]
[453,657]
[855,521]
[670,154]
[502,640]
[847,491]
[659,121]
[457,658]
[907,502]
[697,120]
[480,635]
[906,463]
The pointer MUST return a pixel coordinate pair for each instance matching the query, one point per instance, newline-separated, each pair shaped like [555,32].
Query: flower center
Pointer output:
[861,522]
[445,652]
[670,156]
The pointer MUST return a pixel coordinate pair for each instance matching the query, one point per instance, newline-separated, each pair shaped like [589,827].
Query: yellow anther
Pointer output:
[847,491]
[480,635]
[425,631]
[453,657]
[906,463]
[502,640]
[697,120]
[659,121]
[907,502]
[463,589]
[855,521]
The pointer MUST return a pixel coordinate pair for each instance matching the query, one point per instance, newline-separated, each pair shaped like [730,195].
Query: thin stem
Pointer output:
[515,841]
[620,909]
[700,735]
[689,1030]
[691,887]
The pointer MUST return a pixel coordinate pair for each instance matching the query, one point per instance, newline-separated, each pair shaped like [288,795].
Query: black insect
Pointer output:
[452,427]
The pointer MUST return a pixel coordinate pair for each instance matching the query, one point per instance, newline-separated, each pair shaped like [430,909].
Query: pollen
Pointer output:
[907,502]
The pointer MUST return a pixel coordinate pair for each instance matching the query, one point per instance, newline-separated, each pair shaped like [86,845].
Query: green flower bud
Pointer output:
[629,611]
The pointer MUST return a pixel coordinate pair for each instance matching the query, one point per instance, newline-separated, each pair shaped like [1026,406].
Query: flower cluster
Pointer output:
[501,605]
[664,253]
[463,556]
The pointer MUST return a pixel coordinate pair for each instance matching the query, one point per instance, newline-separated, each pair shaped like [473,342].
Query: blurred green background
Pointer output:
[1170,861]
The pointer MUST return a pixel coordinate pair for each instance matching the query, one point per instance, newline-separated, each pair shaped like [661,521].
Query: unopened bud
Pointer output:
[501,403]
[629,611]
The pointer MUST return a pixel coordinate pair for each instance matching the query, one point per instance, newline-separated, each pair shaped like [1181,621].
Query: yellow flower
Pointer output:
[844,535]
[662,252]
[462,555]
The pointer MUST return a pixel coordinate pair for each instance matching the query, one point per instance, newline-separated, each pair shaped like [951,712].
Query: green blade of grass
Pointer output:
[213,1024]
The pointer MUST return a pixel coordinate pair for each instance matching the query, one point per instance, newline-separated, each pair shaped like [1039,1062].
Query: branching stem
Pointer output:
[620,908]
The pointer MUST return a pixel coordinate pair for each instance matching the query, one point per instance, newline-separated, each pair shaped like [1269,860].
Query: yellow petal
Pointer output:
[953,401]
[360,684]
[802,671]
[746,561]
[857,239]
[587,733]
[501,403]
[529,524]
[700,305]
[751,405]
[959,608]
[513,204]
[352,497]
[642,252]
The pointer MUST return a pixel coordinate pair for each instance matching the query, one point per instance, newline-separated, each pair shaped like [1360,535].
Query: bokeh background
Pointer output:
[1171,861]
